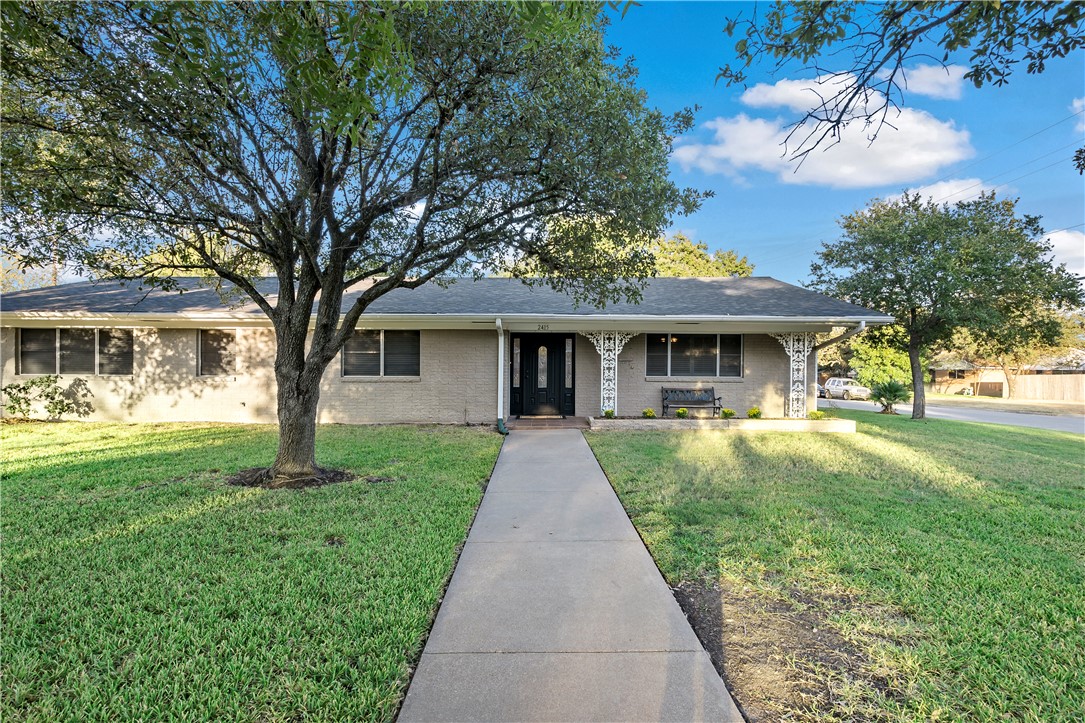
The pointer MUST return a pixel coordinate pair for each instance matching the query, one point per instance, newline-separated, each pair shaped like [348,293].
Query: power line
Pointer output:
[957,171]
[998,175]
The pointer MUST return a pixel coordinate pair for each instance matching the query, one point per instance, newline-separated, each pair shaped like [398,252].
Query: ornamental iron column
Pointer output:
[798,346]
[609,344]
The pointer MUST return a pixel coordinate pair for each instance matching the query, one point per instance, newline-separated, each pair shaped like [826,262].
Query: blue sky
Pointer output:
[1018,140]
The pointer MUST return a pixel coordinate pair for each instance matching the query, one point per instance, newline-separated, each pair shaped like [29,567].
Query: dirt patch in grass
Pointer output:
[263,477]
[779,658]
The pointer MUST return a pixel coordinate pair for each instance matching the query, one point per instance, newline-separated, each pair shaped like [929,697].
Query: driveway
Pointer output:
[1054,422]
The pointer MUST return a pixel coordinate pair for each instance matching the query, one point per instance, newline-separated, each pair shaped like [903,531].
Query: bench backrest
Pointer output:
[689,395]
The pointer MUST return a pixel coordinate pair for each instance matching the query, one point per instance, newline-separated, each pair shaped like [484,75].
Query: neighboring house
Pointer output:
[460,352]
[1055,378]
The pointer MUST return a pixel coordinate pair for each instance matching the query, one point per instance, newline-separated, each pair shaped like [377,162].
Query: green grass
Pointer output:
[960,547]
[138,585]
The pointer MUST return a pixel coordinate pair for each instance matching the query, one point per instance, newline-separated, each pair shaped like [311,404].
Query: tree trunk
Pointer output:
[919,392]
[298,394]
[1011,379]
[297,428]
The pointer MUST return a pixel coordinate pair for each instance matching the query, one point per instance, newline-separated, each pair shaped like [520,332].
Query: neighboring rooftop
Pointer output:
[755,297]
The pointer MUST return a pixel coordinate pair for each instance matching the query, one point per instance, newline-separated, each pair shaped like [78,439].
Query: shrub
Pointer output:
[609,414]
[726,413]
[681,412]
[753,413]
[816,415]
[648,413]
[889,393]
[21,398]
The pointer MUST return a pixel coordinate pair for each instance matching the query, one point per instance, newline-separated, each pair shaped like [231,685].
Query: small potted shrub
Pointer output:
[753,413]
[648,413]
[681,412]
[609,414]
[727,413]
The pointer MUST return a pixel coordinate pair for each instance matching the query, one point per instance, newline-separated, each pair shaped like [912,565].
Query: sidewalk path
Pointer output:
[556,611]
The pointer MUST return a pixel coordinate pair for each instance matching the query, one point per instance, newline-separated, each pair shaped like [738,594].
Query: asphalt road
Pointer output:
[1057,422]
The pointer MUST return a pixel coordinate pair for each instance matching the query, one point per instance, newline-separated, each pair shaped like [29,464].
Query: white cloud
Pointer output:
[935,81]
[916,146]
[1069,249]
[951,191]
[797,95]
[1077,105]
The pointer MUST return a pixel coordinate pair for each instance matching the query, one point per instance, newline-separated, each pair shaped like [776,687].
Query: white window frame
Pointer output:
[56,354]
[343,359]
[199,354]
[741,355]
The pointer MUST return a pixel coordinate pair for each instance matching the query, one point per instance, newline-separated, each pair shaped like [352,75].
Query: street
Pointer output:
[1059,423]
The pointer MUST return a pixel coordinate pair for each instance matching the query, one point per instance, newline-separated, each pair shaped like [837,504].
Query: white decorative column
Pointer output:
[609,344]
[798,346]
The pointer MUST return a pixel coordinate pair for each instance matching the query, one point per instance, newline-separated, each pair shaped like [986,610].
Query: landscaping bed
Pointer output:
[138,584]
[602,424]
[916,570]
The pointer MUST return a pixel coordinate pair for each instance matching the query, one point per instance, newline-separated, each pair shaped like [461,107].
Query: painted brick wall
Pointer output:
[456,383]
[165,385]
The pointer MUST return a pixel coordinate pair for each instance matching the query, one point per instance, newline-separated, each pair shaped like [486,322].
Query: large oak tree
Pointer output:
[940,268]
[337,145]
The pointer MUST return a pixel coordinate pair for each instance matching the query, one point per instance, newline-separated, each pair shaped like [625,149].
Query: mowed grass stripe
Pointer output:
[136,584]
[963,545]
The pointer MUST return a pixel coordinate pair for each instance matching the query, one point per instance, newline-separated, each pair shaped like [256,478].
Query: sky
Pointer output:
[950,142]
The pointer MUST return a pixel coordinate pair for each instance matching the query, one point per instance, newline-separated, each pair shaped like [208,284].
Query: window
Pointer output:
[76,351]
[373,353]
[693,355]
[115,351]
[217,356]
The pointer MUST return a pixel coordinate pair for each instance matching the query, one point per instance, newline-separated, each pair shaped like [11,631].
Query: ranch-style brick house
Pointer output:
[468,351]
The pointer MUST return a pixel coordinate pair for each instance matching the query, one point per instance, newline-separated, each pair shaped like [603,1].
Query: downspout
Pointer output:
[500,378]
[843,337]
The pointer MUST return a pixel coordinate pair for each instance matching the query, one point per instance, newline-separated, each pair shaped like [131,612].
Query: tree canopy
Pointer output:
[337,144]
[937,269]
[679,256]
[861,50]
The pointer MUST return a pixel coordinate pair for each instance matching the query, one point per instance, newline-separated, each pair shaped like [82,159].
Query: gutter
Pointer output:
[500,377]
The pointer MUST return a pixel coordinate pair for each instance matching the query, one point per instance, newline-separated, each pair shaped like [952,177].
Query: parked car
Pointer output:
[821,391]
[844,388]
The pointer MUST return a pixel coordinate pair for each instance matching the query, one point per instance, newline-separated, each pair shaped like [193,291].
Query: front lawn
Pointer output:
[912,571]
[137,585]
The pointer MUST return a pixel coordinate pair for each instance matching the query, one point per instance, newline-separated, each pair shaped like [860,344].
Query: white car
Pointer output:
[844,388]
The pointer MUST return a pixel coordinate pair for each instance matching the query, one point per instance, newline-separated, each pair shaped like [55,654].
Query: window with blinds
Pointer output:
[76,351]
[217,356]
[115,352]
[375,353]
[37,351]
[693,355]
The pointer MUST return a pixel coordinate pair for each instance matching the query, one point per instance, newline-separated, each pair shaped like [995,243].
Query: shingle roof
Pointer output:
[760,297]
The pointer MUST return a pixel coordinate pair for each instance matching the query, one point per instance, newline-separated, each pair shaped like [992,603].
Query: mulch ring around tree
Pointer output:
[263,477]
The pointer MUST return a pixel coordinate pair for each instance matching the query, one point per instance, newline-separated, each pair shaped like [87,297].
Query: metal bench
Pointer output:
[698,398]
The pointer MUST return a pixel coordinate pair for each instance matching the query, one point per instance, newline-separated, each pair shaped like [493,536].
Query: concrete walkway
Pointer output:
[556,611]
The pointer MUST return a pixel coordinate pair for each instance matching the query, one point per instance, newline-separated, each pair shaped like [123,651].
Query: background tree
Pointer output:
[15,275]
[861,50]
[1022,341]
[937,269]
[679,256]
[343,145]
[878,359]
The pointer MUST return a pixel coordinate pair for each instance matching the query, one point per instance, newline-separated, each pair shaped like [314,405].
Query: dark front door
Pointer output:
[542,374]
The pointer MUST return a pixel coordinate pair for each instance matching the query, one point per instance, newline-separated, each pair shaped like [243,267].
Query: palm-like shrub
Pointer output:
[889,393]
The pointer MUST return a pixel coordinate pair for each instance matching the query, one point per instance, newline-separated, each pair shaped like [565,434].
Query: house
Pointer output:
[1053,378]
[464,351]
